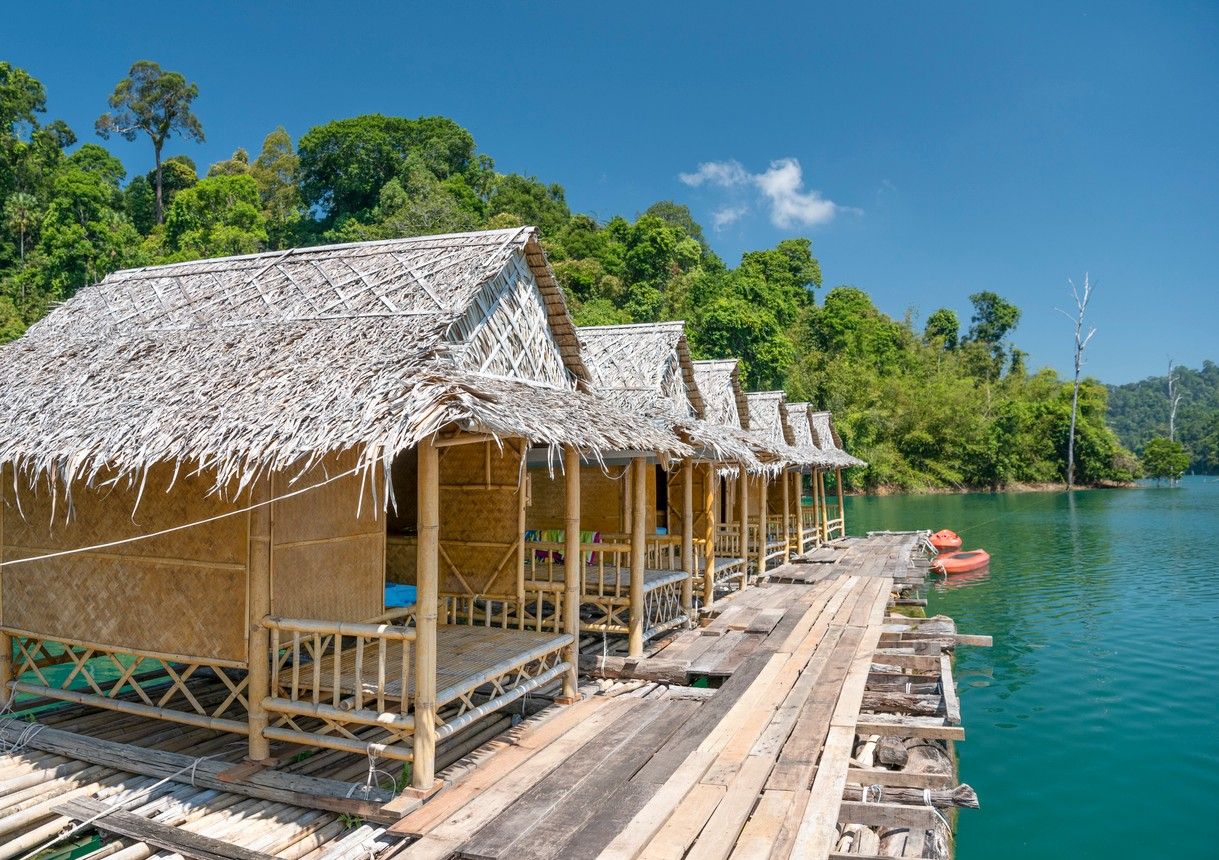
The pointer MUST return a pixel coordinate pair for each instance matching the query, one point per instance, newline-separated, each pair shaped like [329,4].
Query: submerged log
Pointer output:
[927,758]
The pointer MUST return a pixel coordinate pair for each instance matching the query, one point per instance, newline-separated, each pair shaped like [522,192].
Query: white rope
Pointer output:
[184,526]
[938,814]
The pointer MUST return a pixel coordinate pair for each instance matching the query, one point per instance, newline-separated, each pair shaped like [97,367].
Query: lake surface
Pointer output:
[1092,725]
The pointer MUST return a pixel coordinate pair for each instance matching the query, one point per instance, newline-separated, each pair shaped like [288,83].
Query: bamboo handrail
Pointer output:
[343,628]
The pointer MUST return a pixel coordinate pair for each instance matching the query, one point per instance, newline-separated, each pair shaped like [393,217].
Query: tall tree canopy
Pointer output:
[154,102]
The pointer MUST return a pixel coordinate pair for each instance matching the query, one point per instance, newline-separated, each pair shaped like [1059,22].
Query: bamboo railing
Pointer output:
[346,675]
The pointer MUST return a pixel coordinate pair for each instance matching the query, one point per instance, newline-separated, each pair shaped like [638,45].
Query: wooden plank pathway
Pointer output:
[814,691]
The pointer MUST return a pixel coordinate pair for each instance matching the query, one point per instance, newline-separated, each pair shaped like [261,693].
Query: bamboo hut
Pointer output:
[807,520]
[725,401]
[645,524]
[830,444]
[211,469]
[771,527]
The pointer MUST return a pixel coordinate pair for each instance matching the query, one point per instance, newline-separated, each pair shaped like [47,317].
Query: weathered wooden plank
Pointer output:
[909,727]
[175,839]
[887,815]
[952,705]
[881,776]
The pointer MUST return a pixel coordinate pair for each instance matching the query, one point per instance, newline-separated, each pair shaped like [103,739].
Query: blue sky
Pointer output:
[929,150]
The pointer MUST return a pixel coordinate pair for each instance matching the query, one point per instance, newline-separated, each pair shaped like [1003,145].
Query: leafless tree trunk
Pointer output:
[1081,343]
[1174,398]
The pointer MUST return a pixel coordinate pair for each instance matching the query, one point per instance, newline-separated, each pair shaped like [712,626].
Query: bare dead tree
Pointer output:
[1174,399]
[1081,343]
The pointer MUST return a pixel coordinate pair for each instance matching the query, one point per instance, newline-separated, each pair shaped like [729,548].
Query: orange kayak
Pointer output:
[961,562]
[946,540]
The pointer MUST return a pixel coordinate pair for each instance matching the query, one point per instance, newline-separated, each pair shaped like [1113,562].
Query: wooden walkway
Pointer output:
[803,720]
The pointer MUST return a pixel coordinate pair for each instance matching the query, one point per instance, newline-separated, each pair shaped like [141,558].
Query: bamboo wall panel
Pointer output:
[327,550]
[401,559]
[181,593]
[480,530]
[600,500]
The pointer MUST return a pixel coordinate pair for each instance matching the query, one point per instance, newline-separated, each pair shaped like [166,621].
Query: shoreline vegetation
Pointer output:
[1044,487]
[931,404]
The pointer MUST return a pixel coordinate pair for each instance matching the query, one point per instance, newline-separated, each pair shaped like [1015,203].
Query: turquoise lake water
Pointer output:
[1092,725]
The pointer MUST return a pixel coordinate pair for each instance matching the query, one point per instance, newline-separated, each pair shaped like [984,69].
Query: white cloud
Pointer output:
[790,204]
[727,215]
[780,187]
[726,174]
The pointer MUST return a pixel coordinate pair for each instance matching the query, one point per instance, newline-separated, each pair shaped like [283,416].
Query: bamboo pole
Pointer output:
[824,511]
[427,599]
[687,538]
[798,480]
[743,519]
[638,536]
[709,535]
[787,512]
[575,565]
[763,531]
[258,648]
[6,641]
[842,516]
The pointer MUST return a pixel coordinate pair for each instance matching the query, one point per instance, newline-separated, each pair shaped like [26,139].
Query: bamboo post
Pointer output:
[842,516]
[743,519]
[575,563]
[798,480]
[787,512]
[639,483]
[258,647]
[687,538]
[423,766]
[709,483]
[6,641]
[824,512]
[763,536]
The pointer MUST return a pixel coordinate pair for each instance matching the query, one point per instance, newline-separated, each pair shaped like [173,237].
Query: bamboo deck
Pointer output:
[779,760]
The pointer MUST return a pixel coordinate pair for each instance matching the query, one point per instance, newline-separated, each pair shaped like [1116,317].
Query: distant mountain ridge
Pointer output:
[1138,411]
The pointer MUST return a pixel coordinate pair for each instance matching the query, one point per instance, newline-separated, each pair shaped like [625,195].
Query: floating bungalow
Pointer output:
[646,525]
[211,470]
[808,520]
[829,443]
[772,528]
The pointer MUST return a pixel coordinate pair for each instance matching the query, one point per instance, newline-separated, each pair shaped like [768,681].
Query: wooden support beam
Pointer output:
[796,479]
[151,832]
[687,538]
[824,511]
[710,518]
[639,484]
[6,641]
[575,562]
[787,512]
[258,601]
[842,516]
[427,602]
[743,519]
[763,512]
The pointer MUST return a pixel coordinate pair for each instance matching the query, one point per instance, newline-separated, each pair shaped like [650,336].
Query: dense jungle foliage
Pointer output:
[943,405]
[1139,412]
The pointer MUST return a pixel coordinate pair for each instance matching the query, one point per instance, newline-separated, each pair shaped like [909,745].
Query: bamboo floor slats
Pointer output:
[466,656]
[780,760]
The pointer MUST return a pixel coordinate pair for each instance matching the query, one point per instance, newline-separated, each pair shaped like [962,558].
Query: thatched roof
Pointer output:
[645,369]
[829,441]
[719,381]
[797,415]
[768,422]
[244,364]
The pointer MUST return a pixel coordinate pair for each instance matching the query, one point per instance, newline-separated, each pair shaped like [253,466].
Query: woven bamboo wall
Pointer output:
[179,594]
[480,528]
[601,500]
[327,561]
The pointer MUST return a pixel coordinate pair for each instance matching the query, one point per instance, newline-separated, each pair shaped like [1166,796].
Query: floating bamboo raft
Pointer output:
[804,720]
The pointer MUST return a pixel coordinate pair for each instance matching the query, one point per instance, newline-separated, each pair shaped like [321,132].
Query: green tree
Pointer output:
[154,102]
[544,206]
[1163,458]
[219,216]
[275,172]
[21,215]
[235,165]
[943,329]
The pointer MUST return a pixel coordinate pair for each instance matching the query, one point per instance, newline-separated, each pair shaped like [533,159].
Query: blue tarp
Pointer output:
[399,595]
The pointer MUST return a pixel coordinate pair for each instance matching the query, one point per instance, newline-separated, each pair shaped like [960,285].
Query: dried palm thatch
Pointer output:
[244,365]
[645,369]
[797,416]
[768,422]
[719,381]
[829,441]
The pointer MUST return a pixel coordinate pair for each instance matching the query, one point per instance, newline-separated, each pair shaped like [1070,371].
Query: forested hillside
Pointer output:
[935,405]
[1139,412]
